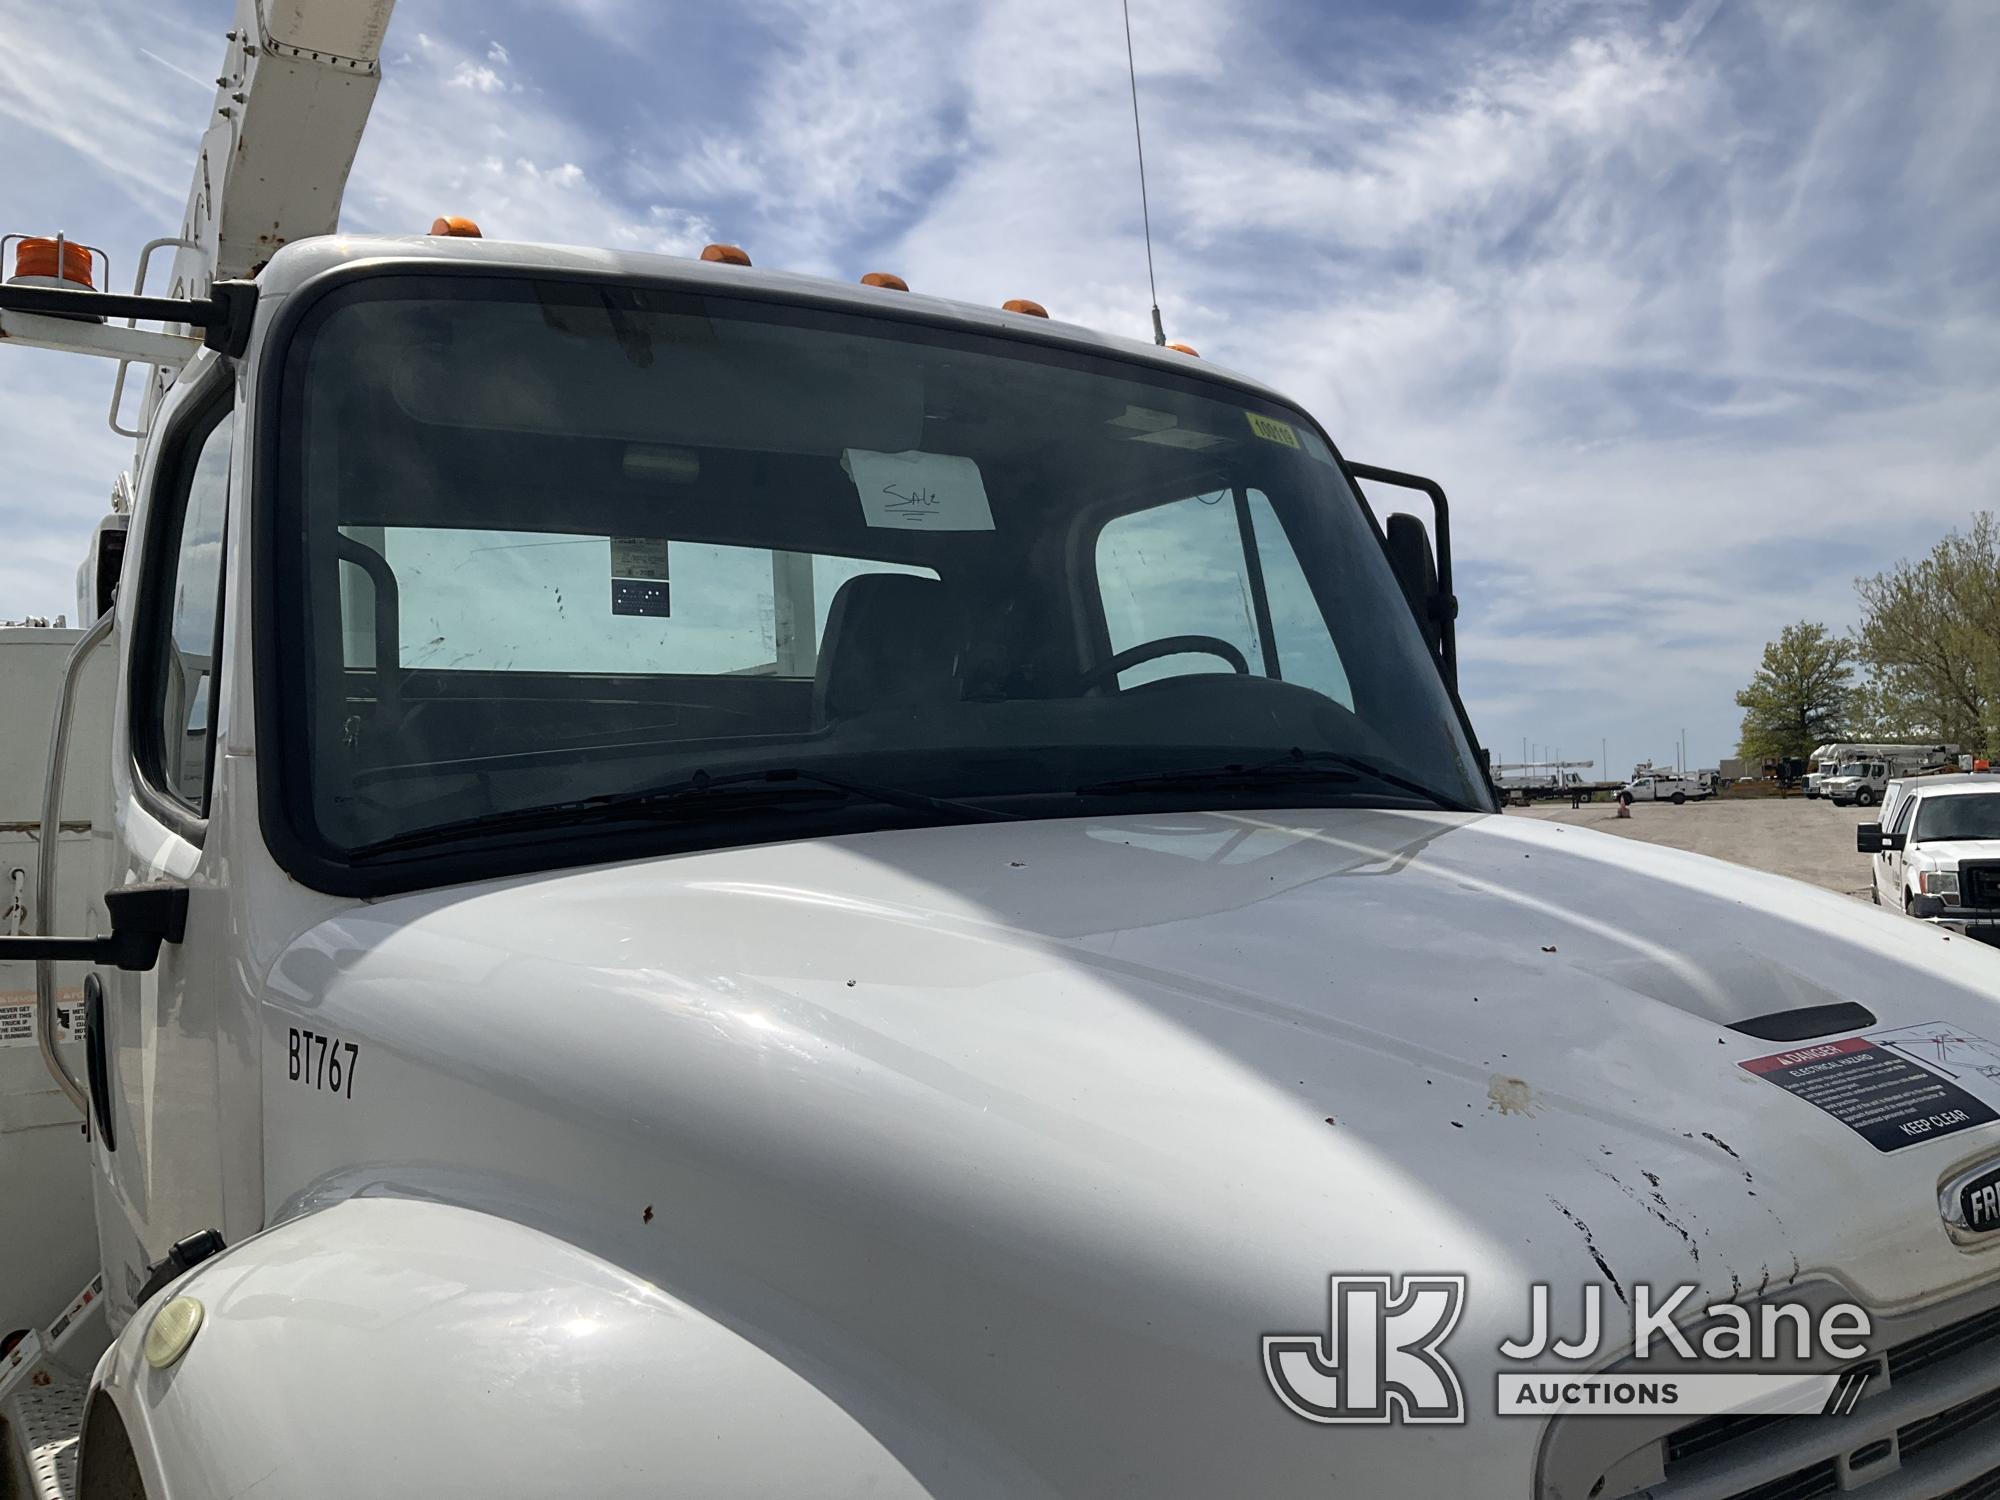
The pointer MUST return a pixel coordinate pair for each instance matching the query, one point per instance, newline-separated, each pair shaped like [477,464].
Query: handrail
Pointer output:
[388,618]
[45,868]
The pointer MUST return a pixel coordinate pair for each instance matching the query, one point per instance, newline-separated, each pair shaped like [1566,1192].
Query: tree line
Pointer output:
[1921,667]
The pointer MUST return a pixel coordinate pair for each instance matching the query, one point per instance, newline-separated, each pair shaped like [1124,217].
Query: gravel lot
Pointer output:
[1809,840]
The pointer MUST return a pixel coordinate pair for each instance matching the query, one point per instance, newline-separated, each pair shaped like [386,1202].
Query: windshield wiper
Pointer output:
[701,795]
[1295,767]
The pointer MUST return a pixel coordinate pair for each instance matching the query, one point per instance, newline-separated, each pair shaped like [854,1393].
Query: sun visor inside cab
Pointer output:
[629,366]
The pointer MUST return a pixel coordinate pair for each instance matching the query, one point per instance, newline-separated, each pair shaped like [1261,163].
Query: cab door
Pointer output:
[157,1136]
[1889,864]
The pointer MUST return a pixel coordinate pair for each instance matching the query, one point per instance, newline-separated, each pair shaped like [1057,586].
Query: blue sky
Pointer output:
[1692,308]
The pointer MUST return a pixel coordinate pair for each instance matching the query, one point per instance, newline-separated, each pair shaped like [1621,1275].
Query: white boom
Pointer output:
[290,106]
[291,103]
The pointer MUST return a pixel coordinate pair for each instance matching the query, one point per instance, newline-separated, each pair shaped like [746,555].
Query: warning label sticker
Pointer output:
[17,1017]
[1886,1096]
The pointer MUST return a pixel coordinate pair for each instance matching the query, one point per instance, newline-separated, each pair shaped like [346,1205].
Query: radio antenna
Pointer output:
[1139,141]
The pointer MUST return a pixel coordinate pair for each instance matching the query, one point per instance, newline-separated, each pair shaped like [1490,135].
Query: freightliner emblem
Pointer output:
[1970,1202]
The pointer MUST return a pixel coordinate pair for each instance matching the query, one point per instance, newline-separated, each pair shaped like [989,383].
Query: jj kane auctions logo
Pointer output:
[1382,1360]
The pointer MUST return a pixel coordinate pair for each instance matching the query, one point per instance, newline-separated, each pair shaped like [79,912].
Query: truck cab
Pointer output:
[1936,854]
[1857,783]
[709,881]
[754,851]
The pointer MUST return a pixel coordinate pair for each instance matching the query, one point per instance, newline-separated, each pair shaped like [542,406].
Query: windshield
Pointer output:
[1853,768]
[558,542]
[1968,816]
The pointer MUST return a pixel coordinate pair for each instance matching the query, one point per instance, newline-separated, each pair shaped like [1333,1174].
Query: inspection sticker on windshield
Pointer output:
[916,491]
[1893,1088]
[639,583]
[1272,430]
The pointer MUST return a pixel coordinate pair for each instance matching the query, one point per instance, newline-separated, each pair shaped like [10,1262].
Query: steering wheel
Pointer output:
[1170,645]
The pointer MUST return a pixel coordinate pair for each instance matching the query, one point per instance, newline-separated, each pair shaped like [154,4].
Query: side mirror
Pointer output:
[1416,570]
[1426,579]
[1868,838]
[142,918]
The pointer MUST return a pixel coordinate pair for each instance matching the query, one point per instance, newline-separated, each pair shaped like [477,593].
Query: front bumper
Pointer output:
[1982,924]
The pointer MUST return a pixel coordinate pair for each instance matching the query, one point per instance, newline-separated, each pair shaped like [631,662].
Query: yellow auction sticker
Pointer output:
[1272,431]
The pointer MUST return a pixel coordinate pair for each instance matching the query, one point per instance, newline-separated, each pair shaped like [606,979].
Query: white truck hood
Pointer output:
[1941,852]
[1018,1137]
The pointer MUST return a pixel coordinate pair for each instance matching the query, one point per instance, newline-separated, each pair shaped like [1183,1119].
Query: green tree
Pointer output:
[1801,695]
[1930,638]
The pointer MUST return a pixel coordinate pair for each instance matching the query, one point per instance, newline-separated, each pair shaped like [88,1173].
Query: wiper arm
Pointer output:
[1297,767]
[700,795]
[1390,778]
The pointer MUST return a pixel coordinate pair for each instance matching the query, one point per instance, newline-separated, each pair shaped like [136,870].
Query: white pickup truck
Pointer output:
[1665,787]
[1937,857]
[723,884]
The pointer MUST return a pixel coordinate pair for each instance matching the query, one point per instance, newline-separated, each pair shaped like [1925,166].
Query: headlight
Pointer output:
[1939,883]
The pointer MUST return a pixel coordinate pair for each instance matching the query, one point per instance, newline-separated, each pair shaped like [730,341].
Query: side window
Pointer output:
[1211,566]
[1903,813]
[178,637]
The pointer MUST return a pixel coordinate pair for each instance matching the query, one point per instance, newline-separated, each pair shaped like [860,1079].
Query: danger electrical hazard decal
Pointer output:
[1894,1088]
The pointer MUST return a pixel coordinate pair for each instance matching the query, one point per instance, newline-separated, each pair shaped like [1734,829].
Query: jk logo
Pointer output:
[1379,1359]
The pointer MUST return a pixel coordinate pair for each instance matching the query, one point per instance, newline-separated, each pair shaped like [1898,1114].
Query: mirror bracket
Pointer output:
[1443,605]
[142,918]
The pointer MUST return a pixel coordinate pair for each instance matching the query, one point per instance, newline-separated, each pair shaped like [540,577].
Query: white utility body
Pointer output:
[1864,780]
[1831,763]
[1665,786]
[717,883]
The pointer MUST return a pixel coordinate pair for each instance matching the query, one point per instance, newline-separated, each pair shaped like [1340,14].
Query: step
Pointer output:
[44,1415]
[43,1382]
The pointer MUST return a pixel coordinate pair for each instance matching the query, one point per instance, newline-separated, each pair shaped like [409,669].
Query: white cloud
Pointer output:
[512,159]
[470,75]
[1695,319]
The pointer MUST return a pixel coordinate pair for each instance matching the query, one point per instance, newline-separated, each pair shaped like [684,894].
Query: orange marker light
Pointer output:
[728,255]
[457,226]
[37,257]
[1187,349]
[888,279]
[1023,305]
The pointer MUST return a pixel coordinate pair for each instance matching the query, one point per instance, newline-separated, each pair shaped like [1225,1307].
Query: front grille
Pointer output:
[1927,1428]
[1920,1353]
[1979,884]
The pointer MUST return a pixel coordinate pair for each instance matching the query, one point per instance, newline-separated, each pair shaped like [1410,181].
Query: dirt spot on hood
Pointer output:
[1512,1096]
